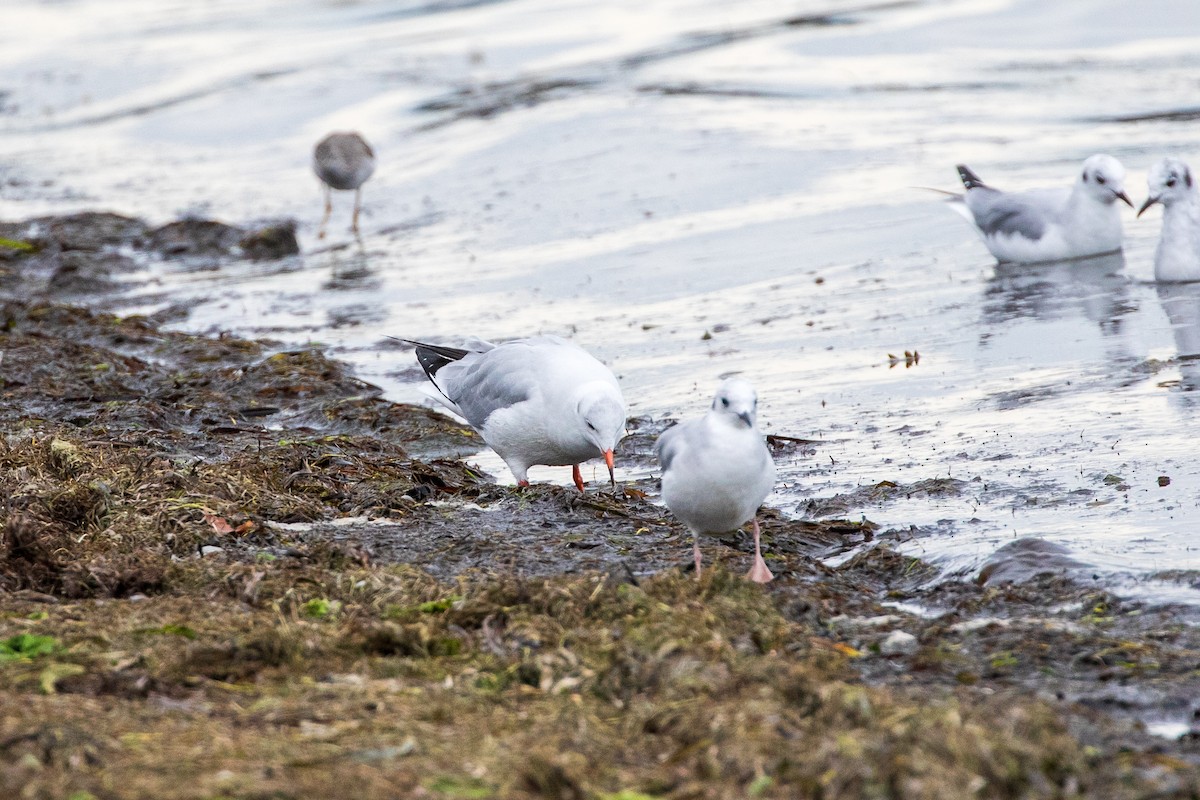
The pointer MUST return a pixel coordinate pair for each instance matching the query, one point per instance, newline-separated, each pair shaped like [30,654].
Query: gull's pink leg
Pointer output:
[696,553]
[522,482]
[328,211]
[759,572]
[577,475]
[357,203]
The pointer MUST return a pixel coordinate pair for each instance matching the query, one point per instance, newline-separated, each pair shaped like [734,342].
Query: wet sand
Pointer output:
[687,189]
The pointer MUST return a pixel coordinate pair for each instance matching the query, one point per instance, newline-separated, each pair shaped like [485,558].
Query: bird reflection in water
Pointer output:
[1181,303]
[1096,287]
[350,268]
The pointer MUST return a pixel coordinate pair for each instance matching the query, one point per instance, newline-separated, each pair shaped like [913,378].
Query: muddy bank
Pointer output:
[233,570]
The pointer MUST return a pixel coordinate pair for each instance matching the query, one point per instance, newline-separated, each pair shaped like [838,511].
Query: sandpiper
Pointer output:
[343,161]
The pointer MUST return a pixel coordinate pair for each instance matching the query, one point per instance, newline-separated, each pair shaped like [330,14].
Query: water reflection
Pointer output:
[358,286]
[1181,303]
[1039,329]
[1095,287]
[349,268]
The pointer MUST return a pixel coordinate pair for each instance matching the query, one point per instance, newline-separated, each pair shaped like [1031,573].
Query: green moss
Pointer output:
[461,788]
[318,608]
[26,646]
[1004,660]
[437,606]
[170,629]
[13,244]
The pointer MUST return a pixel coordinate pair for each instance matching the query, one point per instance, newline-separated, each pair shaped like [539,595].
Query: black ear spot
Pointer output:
[1085,177]
[1187,177]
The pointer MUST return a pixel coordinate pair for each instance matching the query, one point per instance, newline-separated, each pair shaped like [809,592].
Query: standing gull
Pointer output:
[541,400]
[1049,224]
[716,470]
[1177,259]
[343,161]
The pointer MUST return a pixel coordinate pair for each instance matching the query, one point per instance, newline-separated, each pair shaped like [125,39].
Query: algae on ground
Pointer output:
[171,627]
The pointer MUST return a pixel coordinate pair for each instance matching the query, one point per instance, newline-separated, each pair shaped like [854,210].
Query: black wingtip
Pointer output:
[432,357]
[969,178]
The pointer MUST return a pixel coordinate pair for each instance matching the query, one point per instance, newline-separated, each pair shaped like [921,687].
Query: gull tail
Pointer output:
[952,195]
[957,203]
[969,178]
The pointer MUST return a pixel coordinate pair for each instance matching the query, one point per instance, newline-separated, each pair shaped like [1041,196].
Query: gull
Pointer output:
[343,161]
[1177,259]
[716,470]
[1048,224]
[541,400]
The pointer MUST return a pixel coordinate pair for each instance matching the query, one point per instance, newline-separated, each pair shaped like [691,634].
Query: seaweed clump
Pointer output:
[376,681]
[184,614]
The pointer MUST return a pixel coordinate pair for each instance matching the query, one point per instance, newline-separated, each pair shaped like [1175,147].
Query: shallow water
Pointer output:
[638,175]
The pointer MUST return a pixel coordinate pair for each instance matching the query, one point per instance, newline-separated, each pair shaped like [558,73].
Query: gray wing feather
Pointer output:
[997,212]
[670,444]
[482,385]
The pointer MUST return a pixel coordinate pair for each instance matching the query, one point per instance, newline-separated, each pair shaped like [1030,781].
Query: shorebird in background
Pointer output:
[1177,258]
[343,161]
[1048,224]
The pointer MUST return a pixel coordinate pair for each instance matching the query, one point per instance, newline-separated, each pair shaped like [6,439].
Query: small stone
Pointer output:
[194,237]
[276,240]
[1164,480]
[898,643]
[211,550]
[979,623]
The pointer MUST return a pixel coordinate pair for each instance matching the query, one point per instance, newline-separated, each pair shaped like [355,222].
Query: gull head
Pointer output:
[601,419]
[1167,182]
[1103,179]
[736,402]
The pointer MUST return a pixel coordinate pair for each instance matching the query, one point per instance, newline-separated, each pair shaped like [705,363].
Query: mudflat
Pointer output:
[230,569]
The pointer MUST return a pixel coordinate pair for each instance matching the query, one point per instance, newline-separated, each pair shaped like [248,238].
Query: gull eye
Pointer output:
[725,402]
[591,427]
[1100,179]
[1171,181]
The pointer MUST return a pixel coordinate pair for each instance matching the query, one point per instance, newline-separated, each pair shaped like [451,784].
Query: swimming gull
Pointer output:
[1177,258]
[1048,224]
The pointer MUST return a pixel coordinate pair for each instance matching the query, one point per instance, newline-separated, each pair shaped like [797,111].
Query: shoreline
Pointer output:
[232,570]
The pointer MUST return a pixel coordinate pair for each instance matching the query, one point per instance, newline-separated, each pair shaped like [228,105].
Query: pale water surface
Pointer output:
[636,174]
